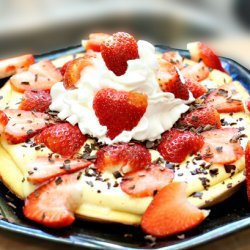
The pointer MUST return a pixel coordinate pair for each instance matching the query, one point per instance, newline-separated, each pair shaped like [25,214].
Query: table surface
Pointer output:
[238,49]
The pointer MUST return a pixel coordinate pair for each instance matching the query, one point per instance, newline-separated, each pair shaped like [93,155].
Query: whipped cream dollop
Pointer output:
[76,106]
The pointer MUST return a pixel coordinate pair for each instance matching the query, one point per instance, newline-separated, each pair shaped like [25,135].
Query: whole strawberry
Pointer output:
[176,145]
[117,50]
[119,110]
[63,138]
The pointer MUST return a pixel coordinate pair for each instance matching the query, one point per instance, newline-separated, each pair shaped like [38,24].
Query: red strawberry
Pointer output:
[117,50]
[119,110]
[170,212]
[64,139]
[3,121]
[176,145]
[54,203]
[178,88]
[35,100]
[202,117]
[195,88]
[148,181]
[64,67]
[220,146]
[225,99]
[44,168]
[174,58]
[95,41]
[196,72]
[200,50]
[40,76]
[248,104]
[22,125]
[11,66]
[74,68]
[247,163]
[126,157]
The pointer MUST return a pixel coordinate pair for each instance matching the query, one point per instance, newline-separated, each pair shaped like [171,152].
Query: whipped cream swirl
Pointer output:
[76,106]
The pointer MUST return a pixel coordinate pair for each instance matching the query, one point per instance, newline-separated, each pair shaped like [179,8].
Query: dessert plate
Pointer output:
[230,216]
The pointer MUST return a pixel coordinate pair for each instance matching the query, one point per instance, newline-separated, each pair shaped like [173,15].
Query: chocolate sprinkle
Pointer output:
[229,168]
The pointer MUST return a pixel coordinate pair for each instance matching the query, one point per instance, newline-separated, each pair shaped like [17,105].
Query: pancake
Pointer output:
[112,204]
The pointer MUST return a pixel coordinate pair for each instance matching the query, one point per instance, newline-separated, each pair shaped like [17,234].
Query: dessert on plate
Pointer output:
[122,133]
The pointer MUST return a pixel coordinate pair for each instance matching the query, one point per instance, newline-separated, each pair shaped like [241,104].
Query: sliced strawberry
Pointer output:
[174,86]
[166,74]
[202,117]
[170,212]
[225,99]
[176,145]
[22,125]
[119,110]
[64,139]
[44,168]
[247,163]
[124,157]
[54,203]
[199,50]
[11,66]
[40,76]
[3,121]
[35,100]
[220,146]
[174,58]
[196,88]
[148,181]
[64,67]
[74,68]
[248,104]
[117,49]
[196,72]
[95,41]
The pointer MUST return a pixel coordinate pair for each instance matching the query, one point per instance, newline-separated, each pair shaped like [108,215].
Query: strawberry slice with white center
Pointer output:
[225,99]
[174,58]
[196,72]
[44,168]
[247,163]
[95,41]
[167,74]
[148,181]
[221,146]
[199,50]
[40,76]
[22,125]
[11,66]
[124,157]
[170,212]
[74,68]
[53,204]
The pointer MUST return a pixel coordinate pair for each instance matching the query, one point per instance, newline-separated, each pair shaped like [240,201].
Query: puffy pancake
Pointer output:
[111,204]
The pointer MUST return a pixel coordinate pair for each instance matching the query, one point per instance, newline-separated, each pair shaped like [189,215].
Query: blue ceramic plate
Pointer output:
[228,217]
